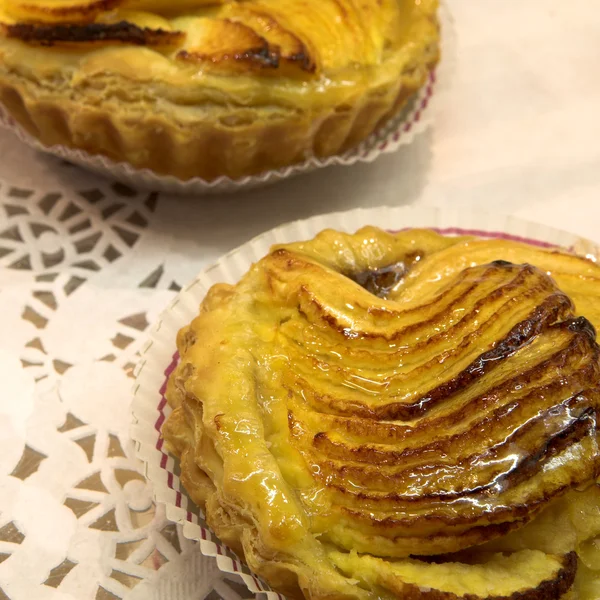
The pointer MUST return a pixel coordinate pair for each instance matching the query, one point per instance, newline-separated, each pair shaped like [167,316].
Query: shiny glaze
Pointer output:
[448,412]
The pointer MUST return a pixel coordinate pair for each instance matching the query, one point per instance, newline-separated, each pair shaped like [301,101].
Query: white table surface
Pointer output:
[516,130]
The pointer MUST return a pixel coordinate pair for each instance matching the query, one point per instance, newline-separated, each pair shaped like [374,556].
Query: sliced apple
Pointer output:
[57,11]
[524,575]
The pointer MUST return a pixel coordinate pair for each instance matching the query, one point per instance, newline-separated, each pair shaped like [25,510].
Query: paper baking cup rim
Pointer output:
[159,352]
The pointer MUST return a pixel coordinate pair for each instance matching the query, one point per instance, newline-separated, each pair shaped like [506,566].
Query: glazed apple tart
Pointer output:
[378,416]
[212,87]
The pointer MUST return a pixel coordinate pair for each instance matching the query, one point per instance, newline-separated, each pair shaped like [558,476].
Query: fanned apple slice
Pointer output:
[226,46]
[57,11]
[113,28]
[524,575]
[296,58]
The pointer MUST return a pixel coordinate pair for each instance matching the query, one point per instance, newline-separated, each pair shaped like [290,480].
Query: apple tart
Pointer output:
[377,415]
[205,88]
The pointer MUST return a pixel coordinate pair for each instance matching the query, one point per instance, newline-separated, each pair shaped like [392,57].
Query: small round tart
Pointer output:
[398,415]
[209,88]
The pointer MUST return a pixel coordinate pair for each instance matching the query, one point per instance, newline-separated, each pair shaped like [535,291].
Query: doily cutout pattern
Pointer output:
[77,516]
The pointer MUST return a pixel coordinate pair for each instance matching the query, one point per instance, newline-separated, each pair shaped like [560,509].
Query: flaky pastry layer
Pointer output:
[212,88]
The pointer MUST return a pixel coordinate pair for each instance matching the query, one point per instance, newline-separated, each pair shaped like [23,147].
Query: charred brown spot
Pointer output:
[218,421]
[382,280]
[122,32]
[304,60]
[582,325]
[257,57]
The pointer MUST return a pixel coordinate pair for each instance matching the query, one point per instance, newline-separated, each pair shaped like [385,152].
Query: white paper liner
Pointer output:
[413,119]
[159,355]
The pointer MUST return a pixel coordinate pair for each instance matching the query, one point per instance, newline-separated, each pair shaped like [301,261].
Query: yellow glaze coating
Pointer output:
[201,88]
[359,399]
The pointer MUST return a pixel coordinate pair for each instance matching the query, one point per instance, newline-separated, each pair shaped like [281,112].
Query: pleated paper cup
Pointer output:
[159,357]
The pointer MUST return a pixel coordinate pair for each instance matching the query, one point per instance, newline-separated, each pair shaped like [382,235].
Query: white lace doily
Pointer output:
[77,520]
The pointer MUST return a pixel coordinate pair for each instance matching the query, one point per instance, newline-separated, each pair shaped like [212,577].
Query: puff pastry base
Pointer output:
[201,149]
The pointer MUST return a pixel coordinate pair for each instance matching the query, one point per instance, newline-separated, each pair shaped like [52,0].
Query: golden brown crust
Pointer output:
[449,409]
[229,147]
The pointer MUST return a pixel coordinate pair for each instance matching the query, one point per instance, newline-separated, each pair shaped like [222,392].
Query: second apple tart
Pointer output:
[206,88]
